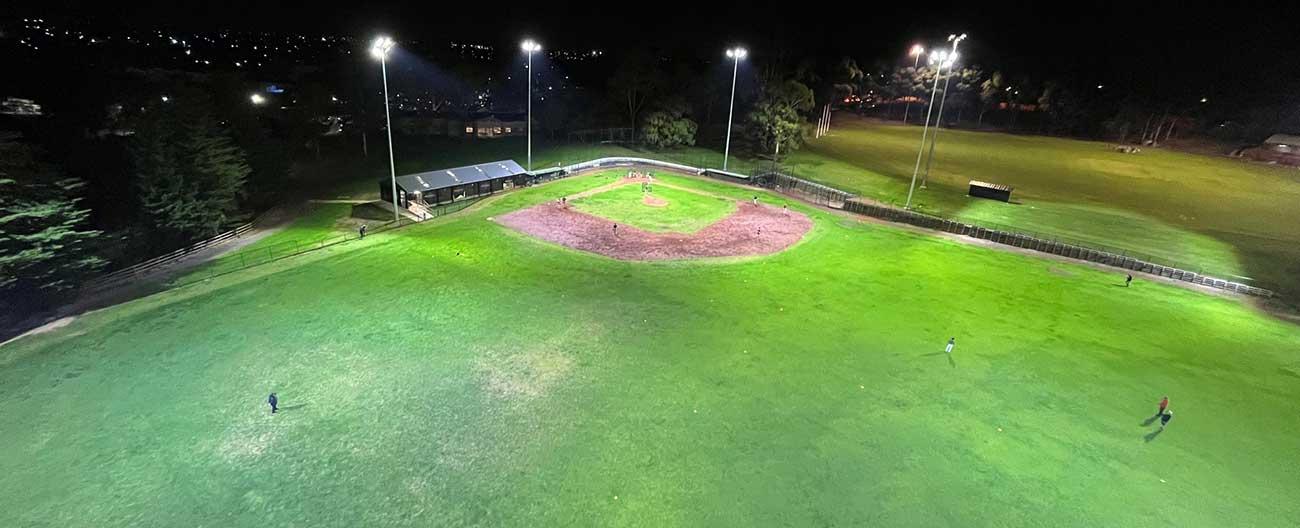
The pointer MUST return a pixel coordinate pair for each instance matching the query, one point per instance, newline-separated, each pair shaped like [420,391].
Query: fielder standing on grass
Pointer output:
[1164,419]
[1164,404]
[274,402]
[952,342]
[1129,281]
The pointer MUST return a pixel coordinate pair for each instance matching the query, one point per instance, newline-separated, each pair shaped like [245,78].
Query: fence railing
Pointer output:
[134,271]
[256,256]
[1054,247]
[835,198]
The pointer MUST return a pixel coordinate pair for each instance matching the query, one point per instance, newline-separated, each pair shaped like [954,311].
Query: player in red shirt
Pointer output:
[1164,404]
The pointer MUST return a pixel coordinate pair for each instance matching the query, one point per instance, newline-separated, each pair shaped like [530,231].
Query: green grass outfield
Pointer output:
[1221,216]
[521,384]
[685,212]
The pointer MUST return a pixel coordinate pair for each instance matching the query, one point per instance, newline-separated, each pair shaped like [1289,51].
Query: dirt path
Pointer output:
[155,280]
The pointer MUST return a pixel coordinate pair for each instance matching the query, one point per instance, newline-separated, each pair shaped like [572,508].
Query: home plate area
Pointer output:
[749,230]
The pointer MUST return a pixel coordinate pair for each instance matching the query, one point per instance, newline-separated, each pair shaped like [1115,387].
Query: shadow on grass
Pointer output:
[293,407]
[1150,420]
[952,362]
[1153,434]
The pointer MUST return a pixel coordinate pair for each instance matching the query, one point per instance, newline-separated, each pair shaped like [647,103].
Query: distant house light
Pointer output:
[469,130]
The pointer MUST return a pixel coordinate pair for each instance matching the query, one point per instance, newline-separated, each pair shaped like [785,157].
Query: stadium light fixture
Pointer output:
[256,99]
[529,46]
[938,120]
[938,58]
[916,52]
[380,49]
[735,54]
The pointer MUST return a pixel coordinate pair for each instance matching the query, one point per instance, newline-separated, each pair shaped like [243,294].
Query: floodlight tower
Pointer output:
[735,54]
[917,51]
[529,47]
[380,49]
[938,120]
[942,59]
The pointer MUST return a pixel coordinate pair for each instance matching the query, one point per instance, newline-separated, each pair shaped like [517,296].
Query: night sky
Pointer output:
[1184,49]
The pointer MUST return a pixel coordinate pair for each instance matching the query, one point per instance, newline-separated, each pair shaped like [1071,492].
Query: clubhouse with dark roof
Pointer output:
[450,185]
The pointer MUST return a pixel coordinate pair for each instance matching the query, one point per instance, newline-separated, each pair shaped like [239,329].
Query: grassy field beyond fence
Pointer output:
[1214,215]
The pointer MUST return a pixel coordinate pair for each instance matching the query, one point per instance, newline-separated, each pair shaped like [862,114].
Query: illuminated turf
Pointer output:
[1207,213]
[683,212]
[521,384]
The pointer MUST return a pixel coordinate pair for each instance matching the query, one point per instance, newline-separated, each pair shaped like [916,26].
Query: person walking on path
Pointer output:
[274,402]
[1129,281]
[1164,419]
[952,342]
[1164,404]
[362,231]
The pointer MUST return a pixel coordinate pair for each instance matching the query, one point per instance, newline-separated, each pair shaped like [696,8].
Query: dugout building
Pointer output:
[450,185]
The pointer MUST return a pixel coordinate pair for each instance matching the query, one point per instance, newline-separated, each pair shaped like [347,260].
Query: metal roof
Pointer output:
[1283,139]
[427,181]
[996,186]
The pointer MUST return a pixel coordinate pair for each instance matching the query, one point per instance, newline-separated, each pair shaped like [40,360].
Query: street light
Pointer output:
[917,51]
[940,58]
[735,54]
[256,98]
[530,47]
[938,120]
[379,49]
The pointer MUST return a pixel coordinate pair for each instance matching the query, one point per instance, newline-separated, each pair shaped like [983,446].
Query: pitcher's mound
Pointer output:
[751,230]
[654,201]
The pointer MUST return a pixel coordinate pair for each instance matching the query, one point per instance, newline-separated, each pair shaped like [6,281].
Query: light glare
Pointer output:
[381,46]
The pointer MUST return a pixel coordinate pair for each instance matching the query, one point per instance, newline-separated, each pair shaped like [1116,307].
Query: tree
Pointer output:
[992,92]
[669,127]
[776,117]
[188,171]
[45,246]
[965,90]
[1063,107]
[634,83]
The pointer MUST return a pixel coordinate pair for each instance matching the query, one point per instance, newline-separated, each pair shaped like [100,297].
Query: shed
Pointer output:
[992,191]
[449,185]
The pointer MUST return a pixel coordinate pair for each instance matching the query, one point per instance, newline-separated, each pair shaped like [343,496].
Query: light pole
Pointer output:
[938,120]
[735,54]
[529,47]
[917,51]
[379,49]
[935,58]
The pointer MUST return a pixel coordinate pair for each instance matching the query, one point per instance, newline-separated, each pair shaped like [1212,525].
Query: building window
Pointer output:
[496,131]
[469,130]
[507,130]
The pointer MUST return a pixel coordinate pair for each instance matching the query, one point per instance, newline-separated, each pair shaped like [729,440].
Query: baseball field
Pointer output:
[464,372]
